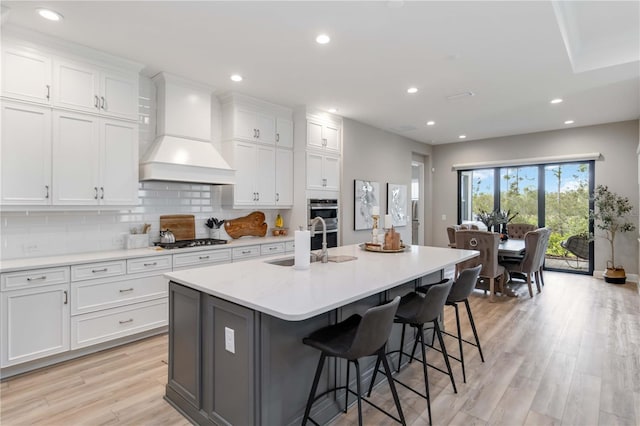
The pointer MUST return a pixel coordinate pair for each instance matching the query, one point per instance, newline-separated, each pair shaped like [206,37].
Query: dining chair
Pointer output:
[546,235]
[530,263]
[487,244]
[519,230]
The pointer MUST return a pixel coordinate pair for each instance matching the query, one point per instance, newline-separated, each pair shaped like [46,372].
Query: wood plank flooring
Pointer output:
[569,356]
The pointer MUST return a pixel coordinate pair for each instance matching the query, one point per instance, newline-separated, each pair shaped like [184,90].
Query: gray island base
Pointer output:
[235,331]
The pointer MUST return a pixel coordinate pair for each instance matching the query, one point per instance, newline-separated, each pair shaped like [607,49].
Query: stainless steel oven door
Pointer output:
[332,240]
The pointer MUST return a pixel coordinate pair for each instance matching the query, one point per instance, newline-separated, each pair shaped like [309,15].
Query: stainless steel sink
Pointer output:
[290,261]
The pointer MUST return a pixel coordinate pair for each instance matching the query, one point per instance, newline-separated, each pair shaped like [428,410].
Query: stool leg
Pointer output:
[359,392]
[415,344]
[445,355]
[424,371]
[473,327]
[375,372]
[464,375]
[314,388]
[404,327]
[382,356]
[346,392]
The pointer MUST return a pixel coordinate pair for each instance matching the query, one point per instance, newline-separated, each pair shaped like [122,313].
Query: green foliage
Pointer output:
[610,214]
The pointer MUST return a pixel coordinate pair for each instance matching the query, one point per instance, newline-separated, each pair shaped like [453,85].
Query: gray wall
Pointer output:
[369,153]
[618,168]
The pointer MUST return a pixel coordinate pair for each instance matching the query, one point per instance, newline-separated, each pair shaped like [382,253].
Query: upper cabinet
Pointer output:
[324,135]
[87,88]
[70,132]
[258,144]
[252,120]
[26,75]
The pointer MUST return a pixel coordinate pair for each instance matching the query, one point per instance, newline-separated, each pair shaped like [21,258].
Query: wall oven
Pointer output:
[328,210]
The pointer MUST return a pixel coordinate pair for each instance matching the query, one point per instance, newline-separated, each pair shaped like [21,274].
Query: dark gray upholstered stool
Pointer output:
[460,291]
[354,338]
[417,310]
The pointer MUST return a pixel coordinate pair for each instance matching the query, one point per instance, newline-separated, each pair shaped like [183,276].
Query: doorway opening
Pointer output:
[417,202]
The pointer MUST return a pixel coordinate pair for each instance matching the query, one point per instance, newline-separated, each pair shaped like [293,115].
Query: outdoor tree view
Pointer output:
[566,201]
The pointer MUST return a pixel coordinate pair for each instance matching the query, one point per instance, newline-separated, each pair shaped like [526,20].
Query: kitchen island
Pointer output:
[235,331]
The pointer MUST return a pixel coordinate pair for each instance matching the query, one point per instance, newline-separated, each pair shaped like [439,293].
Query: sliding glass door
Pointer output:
[553,195]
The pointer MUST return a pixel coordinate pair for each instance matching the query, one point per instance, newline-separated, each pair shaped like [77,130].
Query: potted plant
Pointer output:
[611,215]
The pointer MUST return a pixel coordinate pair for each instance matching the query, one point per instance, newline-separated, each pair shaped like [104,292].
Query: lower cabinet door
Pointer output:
[109,324]
[35,323]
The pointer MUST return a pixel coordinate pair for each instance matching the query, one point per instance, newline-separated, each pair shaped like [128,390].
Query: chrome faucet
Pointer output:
[324,254]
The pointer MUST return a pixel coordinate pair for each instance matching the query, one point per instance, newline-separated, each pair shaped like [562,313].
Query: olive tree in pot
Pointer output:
[611,214]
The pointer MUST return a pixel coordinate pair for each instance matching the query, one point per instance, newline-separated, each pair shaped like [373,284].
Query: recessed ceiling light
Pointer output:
[431,123]
[236,77]
[333,110]
[462,137]
[49,14]
[412,90]
[323,39]
[556,101]
[569,122]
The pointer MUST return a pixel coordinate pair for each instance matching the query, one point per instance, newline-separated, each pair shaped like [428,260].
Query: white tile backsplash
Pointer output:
[35,234]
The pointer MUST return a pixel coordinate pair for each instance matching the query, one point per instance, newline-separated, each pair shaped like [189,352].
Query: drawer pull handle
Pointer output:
[124,290]
[126,321]
[44,277]
[66,297]
[246,252]
[203,257]
[272,248]
[151,264]
[95,271]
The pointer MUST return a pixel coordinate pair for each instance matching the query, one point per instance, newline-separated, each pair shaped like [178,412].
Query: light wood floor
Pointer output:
[570,355]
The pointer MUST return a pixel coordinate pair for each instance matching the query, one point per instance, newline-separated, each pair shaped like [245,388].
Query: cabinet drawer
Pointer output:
[201,258]
[34,278]
[97,327]
[90,271]
[247,252]
[289,246]
[95,295]
[146,264]
[273,248]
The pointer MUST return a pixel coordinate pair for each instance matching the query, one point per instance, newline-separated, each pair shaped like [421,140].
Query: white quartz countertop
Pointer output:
[294,295]
[13,265]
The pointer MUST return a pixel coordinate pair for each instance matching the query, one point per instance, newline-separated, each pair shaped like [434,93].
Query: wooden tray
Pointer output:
[367,248]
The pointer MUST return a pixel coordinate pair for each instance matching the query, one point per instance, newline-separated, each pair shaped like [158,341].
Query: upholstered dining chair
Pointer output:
[487,244]
[546,235]
[518,230]
[451,232]
[530,263]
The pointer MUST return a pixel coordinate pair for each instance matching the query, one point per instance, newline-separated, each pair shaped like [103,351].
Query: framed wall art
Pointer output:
[366,197]
[397,203]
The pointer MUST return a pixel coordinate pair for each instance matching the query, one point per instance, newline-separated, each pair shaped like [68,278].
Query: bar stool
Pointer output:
[417,310]
[460,291]
[354,338]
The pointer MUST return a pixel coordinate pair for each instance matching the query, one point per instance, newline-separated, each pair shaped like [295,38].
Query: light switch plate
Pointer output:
[444,217]
[229,340]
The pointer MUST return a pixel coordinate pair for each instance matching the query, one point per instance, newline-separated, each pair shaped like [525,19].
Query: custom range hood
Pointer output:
[183,151]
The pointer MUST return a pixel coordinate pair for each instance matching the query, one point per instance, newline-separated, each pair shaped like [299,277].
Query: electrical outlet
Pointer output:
[229,340]
[444,217]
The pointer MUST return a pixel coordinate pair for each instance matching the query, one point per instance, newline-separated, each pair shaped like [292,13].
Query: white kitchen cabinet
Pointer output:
[26,75]
[95,160]
[284,177]
[323,172]
[255,167]
[284,133]
[254,125]
[25,154]
[35,323]
[200,258]
[85,87]
[323,135]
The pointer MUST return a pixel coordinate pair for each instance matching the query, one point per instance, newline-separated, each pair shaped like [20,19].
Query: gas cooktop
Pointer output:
[191,243]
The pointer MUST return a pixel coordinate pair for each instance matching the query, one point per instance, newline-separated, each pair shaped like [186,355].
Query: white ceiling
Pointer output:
[514,56]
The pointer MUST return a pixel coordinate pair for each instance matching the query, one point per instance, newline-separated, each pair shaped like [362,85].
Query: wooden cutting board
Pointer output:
[183,226]
[252,224]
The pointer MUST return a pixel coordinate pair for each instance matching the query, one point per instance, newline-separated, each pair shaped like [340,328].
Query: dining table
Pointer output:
[511,248]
